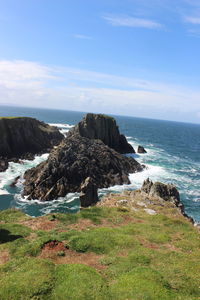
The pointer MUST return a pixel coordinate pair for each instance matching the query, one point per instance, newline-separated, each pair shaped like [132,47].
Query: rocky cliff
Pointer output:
[104,128]
[76,159]
[23,137]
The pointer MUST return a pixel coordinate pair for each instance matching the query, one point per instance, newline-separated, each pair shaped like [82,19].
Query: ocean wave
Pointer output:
[70,202]
[17,170]
[60,125]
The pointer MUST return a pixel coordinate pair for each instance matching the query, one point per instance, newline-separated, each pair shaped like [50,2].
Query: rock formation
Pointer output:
[104,128]
[141,150]
[88,195]
[72,162]
[24,137]
[167,192]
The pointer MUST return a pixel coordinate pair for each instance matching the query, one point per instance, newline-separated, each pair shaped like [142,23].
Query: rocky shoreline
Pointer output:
[89,158]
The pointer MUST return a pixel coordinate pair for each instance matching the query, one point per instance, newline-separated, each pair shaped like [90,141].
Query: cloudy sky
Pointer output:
[131,57]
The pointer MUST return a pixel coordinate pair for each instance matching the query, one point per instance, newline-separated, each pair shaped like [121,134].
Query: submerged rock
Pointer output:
[72,162]
[23,137]
[104,128]
[141,150]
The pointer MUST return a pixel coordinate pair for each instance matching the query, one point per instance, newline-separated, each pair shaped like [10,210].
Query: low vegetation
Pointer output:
[99,253]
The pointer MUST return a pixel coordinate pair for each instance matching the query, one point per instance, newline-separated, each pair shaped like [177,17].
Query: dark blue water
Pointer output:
[173,156]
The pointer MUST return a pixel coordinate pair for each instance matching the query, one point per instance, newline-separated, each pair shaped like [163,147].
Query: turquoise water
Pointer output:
[173,156]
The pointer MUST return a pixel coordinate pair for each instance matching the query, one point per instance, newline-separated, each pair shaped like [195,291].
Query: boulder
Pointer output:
[141,150]
[88,195]
[72,162]
[24,137]
[104,128]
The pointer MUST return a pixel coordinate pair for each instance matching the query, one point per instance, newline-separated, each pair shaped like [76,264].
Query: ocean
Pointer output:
[173,156]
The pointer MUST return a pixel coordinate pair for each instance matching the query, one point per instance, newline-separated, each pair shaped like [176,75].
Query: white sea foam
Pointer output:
[67,199]
[3,192]
[18,169]
[63,128]
[46,207]
[60,125]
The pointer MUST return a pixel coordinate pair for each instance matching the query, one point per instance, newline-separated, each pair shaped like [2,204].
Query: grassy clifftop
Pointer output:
[112,251]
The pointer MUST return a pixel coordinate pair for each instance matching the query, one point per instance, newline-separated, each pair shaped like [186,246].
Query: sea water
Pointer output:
[173,156]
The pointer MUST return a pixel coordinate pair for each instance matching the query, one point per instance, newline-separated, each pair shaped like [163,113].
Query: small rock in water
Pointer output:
[141,149]
[13,184]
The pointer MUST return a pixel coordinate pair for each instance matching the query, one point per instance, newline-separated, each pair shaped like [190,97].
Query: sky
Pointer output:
[132,57]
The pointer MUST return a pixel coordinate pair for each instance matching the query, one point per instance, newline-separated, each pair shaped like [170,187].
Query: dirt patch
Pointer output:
[40,223]
[172,247]
[52,250]
[149,245]
[4,257]
[82,224]
[54,246]
[73,257]
[31,236]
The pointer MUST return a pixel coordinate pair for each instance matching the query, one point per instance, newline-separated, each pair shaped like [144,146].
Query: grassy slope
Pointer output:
[101,253]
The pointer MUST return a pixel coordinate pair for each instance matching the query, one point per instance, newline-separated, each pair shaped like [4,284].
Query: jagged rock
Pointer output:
[104,128]
[3,164]
[88,195]
[75,159]
[24,137]
[167,192]
[141,150]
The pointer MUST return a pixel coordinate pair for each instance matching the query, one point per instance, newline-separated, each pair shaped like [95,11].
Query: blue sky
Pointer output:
[130,57]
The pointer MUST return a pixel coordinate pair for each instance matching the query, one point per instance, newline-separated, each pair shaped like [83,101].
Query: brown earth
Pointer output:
[51,250]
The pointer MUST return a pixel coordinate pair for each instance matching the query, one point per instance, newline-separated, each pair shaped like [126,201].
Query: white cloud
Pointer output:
[192,20]
[128,21]
[32,84]
[82,37]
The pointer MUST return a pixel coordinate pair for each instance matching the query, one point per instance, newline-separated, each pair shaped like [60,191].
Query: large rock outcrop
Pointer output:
[72,162]
[104,128]
[167,192]
[23,137]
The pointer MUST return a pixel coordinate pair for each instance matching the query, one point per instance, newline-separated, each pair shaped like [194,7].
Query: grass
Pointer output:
[26,279]
[11,215]
[135,256]
[10,117]
[79,282]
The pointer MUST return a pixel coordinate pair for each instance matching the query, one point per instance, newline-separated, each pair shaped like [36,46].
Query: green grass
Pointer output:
[11,215]
[12,117]
[101,240]
[142,283]
[148,257]
[26,279]
[79,282]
